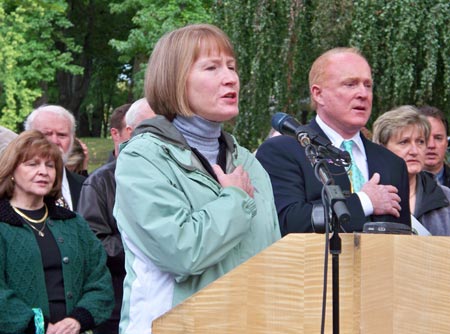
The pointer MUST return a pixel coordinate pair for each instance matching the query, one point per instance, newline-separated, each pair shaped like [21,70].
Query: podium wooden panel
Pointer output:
[388,284]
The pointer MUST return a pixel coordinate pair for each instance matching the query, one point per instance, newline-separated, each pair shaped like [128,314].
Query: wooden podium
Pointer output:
[388,284]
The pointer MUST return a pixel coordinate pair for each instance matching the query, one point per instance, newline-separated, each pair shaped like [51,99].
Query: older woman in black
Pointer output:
[53,276]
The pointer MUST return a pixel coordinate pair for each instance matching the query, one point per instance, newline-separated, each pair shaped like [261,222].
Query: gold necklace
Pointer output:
[35,221]
[27,220]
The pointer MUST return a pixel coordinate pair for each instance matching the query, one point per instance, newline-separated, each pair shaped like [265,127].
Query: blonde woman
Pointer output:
[191,203]
[405,132]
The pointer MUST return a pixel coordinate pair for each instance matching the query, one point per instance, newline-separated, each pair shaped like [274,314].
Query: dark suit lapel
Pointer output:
[75,183]
[374,163]
[338,173]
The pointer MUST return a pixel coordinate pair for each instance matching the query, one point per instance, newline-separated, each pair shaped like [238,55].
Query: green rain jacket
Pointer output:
[181,229]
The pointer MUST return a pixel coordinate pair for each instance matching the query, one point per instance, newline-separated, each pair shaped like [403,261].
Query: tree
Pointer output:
[152,19]
[405,41]
[269,38]
[407,44]
[102,85]
[30,59]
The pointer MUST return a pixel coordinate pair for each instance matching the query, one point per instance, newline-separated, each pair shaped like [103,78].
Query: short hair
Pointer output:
[170,62]
[23,148]
[117,117]
[318,68]
[135,110]
[58,110]
[435,113]
[391,121]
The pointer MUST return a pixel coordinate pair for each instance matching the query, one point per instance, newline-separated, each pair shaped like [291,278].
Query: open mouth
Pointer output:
[230,95]
[360,108]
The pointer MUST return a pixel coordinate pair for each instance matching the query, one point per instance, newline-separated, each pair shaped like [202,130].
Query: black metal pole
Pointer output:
[335,250]
[339,215]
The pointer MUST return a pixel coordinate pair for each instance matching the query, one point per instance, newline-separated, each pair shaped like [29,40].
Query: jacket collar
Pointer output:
[8,215]
[163,128]
[433,197]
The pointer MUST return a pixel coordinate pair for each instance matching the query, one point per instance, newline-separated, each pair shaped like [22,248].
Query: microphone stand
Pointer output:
[335,206]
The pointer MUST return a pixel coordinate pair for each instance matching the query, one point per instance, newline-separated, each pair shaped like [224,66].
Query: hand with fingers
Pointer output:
[384,198]
[238,178]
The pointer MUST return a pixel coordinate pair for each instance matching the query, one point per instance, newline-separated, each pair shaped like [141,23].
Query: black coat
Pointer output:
[297,190]
[96,205]
[446,176]
[75,182]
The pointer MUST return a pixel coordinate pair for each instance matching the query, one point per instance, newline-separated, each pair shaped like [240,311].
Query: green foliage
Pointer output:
[407,44]
[152,19]
[405,41]
[330,24]
[267,36]
[105,83]
[29,56]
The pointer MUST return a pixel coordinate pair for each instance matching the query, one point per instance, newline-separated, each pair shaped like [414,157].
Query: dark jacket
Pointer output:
[96,205]
[296,188]
[446,176]
[87,282]
[432,205]
[75,182]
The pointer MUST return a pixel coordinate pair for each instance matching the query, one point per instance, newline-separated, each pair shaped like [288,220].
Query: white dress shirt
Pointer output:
[65,190]
[359,154]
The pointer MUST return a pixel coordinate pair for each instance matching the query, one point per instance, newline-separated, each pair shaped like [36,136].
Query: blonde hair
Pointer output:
[395,120]
[171,60]
[318,68]
[75,161]
[24,147]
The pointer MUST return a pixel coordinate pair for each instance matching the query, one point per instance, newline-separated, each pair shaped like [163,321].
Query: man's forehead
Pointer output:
[51,122]
[345,70]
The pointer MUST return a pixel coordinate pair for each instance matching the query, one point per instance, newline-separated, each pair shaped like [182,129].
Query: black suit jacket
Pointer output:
[446,175]
[75,182]
[297,190]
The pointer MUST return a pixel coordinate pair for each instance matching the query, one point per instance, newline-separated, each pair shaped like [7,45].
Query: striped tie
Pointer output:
[356,178]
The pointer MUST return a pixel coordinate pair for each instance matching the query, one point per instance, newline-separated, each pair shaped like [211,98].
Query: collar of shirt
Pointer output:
[65,190]
[359,153]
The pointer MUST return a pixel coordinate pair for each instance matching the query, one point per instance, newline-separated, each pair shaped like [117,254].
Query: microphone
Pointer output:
[289,126]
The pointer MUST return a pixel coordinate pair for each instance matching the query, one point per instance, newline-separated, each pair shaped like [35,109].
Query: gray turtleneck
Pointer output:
[200,134]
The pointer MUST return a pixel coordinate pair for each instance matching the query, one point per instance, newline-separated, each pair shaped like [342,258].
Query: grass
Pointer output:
[99,150]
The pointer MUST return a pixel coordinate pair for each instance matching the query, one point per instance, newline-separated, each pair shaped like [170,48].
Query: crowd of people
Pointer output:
[179,202]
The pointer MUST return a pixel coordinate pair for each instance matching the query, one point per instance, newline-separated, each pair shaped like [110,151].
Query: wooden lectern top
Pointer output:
[388,284]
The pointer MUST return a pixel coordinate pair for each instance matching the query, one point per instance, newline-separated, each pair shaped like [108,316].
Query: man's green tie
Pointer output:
[356,178]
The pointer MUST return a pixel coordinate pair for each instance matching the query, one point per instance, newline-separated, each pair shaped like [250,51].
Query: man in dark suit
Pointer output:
[436,155]
[341,93]
[58,125]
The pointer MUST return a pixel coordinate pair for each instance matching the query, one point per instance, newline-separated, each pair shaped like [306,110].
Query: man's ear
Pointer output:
[114,133]
[316,94]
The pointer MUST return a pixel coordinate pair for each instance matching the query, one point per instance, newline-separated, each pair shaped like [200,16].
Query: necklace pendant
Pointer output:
[41,234]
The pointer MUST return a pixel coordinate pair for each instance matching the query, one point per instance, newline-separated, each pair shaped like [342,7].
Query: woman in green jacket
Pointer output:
[191,203]
[53,274]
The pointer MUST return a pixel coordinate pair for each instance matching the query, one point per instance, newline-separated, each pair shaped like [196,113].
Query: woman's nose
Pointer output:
[43,169]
